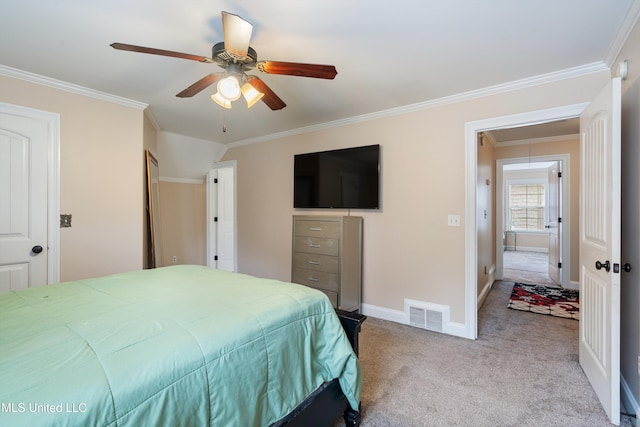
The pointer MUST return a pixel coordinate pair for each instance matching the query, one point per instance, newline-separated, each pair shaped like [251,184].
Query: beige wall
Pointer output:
[409,251]
[183,223]
[571,146]
[100,156]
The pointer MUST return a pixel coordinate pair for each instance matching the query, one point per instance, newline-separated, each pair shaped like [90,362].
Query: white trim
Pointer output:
[536,140]
[628,399]
[573,285]
[53,182]
[487,286]
[471,170]
[397,316]
[69,87]
[384,313]
[623,33]
[527,249]
[152,118]
[181,180]
[555,76]
[211,236]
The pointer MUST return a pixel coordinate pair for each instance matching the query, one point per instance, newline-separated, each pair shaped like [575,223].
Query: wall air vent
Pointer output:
[432,317]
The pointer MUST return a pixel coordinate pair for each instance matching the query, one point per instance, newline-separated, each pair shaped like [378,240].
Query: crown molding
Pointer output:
[595,67]
[181,180]
[69,87]
[540,140]
[623,33]
[490,137]
[152,118]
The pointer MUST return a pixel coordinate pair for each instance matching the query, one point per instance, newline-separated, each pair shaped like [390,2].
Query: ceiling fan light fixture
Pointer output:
[251,94]
[221,100]
[229,88]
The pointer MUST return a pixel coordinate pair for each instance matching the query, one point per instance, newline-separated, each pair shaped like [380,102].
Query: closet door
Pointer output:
[221,217]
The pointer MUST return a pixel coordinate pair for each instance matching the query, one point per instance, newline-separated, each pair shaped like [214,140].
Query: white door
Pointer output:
[221,222]
[600,246]
[554,212]
[23,201]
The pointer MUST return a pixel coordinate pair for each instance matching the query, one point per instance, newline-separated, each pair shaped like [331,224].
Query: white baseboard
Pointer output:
[487,286]
[628,399]
[398,316]
[512,248]
[573,285]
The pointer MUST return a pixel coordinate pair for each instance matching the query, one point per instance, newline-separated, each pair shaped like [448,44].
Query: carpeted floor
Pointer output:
[526,267]
[522,370]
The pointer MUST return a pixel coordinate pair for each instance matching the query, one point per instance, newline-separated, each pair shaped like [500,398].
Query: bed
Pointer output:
[175,346]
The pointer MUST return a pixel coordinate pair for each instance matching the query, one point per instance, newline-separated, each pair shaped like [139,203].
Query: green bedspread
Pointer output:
[174,346]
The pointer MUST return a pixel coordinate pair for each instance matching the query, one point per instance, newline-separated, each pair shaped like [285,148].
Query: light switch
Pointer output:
[453,220]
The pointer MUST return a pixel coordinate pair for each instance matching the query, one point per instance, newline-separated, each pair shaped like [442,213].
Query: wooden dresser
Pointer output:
[327,255]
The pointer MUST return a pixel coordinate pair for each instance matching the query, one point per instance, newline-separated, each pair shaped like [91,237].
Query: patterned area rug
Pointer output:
[549,300]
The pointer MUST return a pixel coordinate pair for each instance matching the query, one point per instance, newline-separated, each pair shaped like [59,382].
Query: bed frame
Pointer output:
[325,405]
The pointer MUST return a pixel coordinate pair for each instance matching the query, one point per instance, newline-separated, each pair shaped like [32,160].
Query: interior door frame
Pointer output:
[471,168]
[566,212]
[212,211]
[53,182]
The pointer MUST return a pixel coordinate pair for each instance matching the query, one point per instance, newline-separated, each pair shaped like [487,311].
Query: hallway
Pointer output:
[526,267]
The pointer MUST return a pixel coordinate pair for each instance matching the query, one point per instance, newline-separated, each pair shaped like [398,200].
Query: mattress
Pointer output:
[174,346]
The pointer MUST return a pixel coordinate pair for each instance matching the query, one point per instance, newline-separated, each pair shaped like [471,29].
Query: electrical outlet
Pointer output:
[174,259]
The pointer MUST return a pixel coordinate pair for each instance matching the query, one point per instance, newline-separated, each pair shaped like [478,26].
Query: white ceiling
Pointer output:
[389,55]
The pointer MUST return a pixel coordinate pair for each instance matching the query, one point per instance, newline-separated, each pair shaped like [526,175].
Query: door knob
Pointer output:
[36,249]
[600,265]
[626,267]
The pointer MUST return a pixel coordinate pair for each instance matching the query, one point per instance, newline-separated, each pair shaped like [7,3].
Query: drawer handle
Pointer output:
[314,262]
[315,228]
[312,245]
[313,279]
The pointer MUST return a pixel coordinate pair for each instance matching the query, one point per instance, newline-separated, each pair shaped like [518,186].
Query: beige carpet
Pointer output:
[526,267]
[522,371]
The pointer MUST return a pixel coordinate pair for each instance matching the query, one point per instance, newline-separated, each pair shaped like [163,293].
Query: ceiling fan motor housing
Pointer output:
[224,58]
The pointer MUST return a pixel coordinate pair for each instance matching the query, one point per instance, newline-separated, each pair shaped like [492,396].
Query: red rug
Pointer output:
[548,300]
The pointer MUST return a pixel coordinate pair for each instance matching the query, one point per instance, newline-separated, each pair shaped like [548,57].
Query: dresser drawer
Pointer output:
[316,279]
[333,297]
[330,264]
[311,228]
[316,245]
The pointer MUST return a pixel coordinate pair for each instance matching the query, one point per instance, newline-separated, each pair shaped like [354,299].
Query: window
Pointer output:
[526,206]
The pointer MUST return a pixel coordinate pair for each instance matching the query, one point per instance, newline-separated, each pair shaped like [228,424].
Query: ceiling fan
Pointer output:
[236,57]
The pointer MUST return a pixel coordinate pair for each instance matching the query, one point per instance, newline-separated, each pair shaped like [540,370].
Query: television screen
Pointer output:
[345,178]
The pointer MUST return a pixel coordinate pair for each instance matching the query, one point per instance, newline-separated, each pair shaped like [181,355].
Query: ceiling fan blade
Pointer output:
[272,100]
[237,34]
[142,49]
[297,69]
[200,85]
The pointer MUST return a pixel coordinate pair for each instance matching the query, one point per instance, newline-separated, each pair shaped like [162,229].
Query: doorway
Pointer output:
[221,217]
[535,234]
[472,129]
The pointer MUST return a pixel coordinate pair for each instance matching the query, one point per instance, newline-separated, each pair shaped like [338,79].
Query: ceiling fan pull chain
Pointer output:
[224,122]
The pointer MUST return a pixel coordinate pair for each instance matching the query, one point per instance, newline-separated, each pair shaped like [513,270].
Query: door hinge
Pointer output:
[559,219]
[559,174]
[215,258]
[559,265]
[215,219]
[215,180]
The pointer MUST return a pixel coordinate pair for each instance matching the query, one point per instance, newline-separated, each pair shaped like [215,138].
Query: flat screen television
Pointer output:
[348,178]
